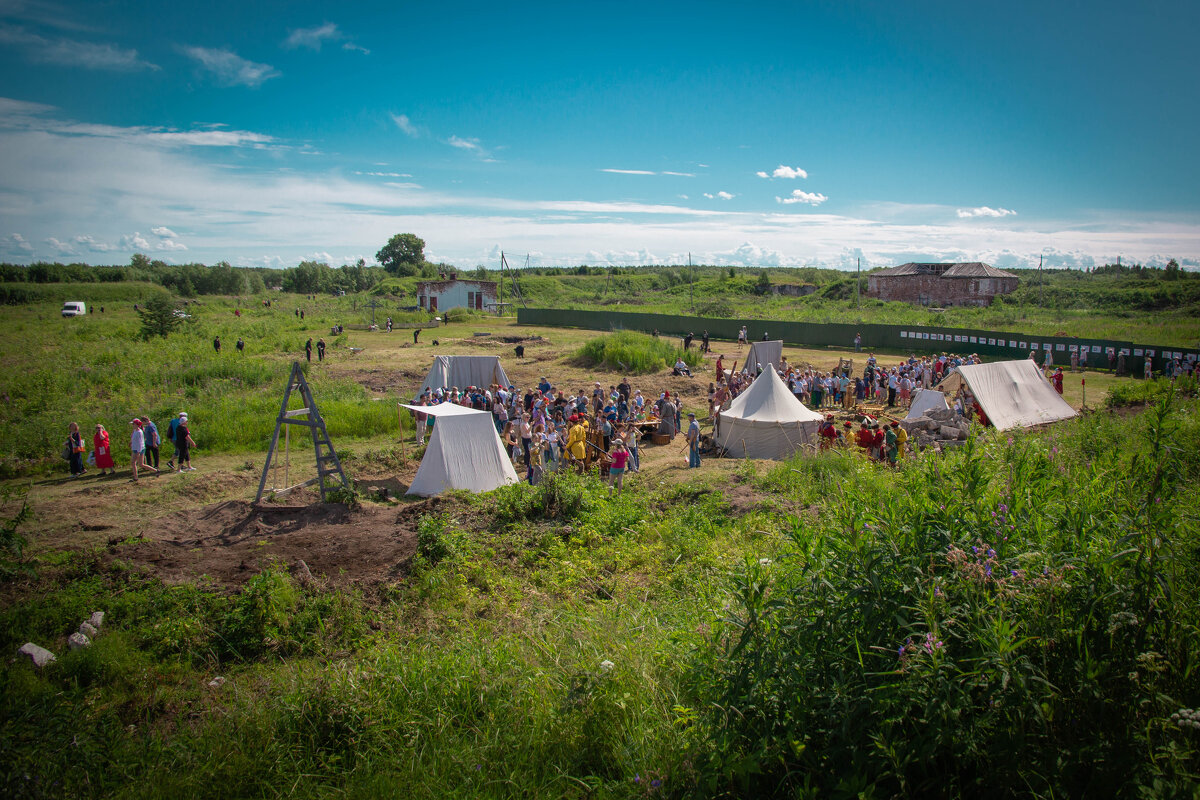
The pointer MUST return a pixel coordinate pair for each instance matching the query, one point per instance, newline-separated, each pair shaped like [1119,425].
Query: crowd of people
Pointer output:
[546,429]
[145,443]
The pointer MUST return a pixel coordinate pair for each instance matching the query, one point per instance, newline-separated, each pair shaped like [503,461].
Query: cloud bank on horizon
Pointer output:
[291,136]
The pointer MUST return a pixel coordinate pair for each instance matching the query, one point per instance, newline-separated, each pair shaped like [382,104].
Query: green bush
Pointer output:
[635,353]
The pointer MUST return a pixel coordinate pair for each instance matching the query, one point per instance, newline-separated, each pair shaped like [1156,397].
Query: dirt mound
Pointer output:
[231,541]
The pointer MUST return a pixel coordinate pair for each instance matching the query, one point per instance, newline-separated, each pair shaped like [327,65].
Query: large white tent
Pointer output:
[926,400]
[464,452]
[766,421]
[464,371]
[1013,394]
[764,354]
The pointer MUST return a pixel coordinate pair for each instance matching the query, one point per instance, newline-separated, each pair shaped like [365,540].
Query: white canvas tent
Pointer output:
[926,400]
[764,353]
[766,421]
[464,452]
[464,371]
[1013,394]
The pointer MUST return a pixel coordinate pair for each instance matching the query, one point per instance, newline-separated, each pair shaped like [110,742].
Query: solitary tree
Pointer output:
[158,317]
[403,254]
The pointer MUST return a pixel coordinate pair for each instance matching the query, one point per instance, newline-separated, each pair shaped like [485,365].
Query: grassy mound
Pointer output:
[635,353]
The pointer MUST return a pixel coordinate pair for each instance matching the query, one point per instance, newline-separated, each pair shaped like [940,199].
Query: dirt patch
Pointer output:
[229,542]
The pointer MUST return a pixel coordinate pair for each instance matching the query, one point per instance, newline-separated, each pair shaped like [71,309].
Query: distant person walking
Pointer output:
[103,450]
[858,342]
[416,334]
[241,346]
[308,349]
[75,449]
[153,441]
[217,344]
[137,444]
[742,337]
[704,342]
[184,445]
[172,427]
[320,350]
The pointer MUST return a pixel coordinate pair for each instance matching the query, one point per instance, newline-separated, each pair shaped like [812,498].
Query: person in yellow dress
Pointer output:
[901,441]
[576,436]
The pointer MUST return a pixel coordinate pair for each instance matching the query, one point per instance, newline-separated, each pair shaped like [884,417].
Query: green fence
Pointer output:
[904,338]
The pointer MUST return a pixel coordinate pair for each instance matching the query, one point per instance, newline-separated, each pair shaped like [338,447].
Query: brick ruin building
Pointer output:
[968,284]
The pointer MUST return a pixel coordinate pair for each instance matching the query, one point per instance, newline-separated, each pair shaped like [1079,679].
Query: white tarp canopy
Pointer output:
[464,371]
[763,354]
[464,452]
[1013,394]
[926,400]
[766,421]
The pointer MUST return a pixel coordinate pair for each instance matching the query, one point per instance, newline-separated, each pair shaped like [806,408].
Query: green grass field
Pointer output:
[1018,617]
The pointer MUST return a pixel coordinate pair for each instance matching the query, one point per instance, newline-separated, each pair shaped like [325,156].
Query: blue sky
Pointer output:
[755,134]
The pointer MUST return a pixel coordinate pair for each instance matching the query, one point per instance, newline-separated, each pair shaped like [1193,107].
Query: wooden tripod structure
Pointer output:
[327,461]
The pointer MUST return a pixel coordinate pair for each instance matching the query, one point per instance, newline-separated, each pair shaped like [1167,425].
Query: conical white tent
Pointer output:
[1013,394]
[464,371]
[464,452]
[766,421]
[764,354]
[926,400]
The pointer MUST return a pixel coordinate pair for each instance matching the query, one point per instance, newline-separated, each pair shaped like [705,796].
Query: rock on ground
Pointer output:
[78,641]
[39,656]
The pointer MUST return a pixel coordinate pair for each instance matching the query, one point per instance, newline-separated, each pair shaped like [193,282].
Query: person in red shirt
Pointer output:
[877,441]
[864,437]
[1057,380]
[827,432]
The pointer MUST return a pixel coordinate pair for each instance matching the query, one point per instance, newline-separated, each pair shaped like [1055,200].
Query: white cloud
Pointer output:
[471,145]
[165,233]
[405,124]
[719,195]
[385,174]
[312,38]
[62,248]
[680,174]
[169,244]
[69,53]
[800,196]
[90,243]
[134,241]
[231,69]
[356,47]
[629,171]
[984,211]
[784,172]
[15,242]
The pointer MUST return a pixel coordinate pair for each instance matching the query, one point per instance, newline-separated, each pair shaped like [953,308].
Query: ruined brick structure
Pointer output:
[967,284]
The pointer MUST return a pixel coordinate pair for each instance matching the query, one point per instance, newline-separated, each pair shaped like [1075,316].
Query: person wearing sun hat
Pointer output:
[137,443]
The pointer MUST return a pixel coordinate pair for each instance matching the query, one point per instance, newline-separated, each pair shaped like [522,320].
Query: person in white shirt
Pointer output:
[137,443]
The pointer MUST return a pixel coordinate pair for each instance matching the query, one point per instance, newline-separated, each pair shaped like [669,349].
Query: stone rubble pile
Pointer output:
[940,428]
[89,629]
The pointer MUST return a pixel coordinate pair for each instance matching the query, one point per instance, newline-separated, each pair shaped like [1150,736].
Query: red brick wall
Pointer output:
[939,291]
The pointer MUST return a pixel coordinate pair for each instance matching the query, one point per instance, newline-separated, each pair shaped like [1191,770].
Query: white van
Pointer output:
[72,309]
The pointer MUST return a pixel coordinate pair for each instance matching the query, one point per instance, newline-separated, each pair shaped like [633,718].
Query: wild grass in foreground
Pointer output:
[1017,618]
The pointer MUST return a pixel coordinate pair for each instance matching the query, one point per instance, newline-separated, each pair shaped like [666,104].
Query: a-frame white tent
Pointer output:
[766,421]
[464,371]
[1013,394]
[464,452]
[926,400]
[764,354]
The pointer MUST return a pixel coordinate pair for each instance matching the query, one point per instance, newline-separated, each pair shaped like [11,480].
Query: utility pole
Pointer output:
[1041,283]
[691,283]
[857,281]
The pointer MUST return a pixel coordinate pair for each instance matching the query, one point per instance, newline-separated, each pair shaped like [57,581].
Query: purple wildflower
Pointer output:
[655,783]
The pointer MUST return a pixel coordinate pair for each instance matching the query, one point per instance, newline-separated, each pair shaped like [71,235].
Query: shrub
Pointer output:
[634,353]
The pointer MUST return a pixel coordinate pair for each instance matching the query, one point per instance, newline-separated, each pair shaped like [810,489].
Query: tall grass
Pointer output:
[635,353]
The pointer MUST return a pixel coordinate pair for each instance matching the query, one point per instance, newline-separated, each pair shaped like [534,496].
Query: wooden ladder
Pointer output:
[327,460]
